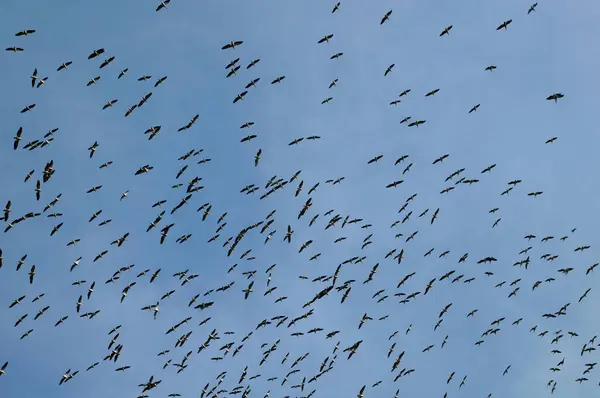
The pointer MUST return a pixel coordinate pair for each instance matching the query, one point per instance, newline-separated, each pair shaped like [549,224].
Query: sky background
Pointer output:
[550,50]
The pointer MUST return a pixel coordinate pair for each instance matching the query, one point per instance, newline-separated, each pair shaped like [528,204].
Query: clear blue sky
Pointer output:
[551,50]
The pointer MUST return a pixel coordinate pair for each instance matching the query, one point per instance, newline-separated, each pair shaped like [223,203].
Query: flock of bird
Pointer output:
[249,274]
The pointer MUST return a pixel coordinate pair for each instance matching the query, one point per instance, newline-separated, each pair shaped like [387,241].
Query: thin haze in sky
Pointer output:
[390,206]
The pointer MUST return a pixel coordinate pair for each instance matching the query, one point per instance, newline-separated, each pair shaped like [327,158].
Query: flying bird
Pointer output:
[386,17]
[325,38]
[96,53]
[504,25]
[532,8]
[446,31]
[232,45]
[25,32]
[555,97]
[163,4]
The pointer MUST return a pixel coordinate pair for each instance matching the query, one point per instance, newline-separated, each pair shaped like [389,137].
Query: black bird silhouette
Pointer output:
[232,45]
[25,32]
[95,53]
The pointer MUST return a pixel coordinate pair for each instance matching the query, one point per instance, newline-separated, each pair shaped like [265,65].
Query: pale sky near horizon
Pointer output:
[551,50]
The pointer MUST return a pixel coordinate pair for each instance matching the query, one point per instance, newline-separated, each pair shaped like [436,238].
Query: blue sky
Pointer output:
[550,50]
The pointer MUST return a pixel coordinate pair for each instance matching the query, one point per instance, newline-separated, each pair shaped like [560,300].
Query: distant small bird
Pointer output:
[532,8]
[25,32]
[386,17]
[232,45]
[163,4]
[555,97]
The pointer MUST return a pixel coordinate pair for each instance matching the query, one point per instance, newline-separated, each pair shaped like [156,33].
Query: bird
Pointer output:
[96,53]
[64,66]
[25,32]
[17,138]
[532,8]
[162,5]
[446,31]
[28,108]
[232,45]
[504,25]
[326,38]
[389,69]
[386,17]
[257,157]
[248,290]
[555,97]
[107,62]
